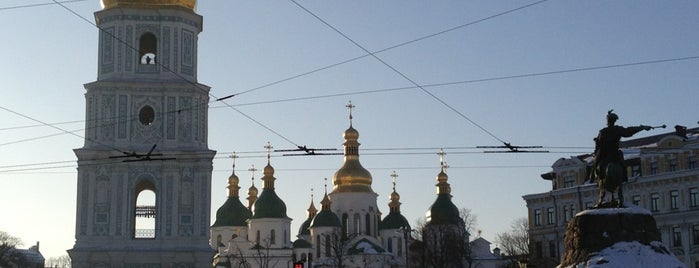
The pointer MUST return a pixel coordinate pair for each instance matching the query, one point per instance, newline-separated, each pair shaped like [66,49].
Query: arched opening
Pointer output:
[390,244]
[367,221]
[345,224]
[272,237]
[357,224]
[147,48]
[145,210]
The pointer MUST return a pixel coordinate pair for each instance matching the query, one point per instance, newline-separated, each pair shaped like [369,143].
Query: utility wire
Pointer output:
[127,45]
[391,47]
[36,5]
[399,73]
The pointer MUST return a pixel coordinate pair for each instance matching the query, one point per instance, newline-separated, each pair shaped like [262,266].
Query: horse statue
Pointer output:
[609,179]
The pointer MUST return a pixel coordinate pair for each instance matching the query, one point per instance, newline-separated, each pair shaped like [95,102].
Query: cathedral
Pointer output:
[347,231]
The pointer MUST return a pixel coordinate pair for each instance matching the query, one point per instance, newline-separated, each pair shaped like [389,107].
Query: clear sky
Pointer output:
[48,53]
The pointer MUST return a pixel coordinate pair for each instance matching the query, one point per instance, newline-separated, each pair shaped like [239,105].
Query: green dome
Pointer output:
[269,205]
[232,213]
[326,218]
[303,230]
[301,243]
[394,220]
[443,211]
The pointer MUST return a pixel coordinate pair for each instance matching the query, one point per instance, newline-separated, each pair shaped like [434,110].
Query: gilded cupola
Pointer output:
[352,176]
[186,4]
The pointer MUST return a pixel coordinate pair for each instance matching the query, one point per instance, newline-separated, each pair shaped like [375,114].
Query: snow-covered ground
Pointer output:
[632,254]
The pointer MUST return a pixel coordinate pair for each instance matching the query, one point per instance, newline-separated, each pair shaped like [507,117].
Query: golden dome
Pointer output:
[351,134]
[188,4]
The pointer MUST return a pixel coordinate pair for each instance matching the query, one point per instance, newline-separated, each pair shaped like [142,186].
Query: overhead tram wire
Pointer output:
[392,47]
[407,151]
[38,5]
[399,73]
[196,85]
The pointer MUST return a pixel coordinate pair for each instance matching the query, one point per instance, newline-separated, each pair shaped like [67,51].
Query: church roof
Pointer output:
[326,218]
[394,220]
[232,213]
[352,176]
[443,211]
[269,205]
[301,243]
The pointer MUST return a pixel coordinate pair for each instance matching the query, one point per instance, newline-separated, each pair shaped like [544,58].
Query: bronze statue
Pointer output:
[608,168]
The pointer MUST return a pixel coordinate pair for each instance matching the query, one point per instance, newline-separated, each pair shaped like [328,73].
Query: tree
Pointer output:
[59,262]
[9,257]
[515,243]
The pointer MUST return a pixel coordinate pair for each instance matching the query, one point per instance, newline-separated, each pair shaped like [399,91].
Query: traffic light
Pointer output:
[298,264]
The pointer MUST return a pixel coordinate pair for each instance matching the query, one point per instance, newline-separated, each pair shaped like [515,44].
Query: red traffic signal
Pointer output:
[298,265]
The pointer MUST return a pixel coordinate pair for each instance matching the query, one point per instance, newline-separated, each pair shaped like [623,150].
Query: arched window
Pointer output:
[345,224]
[147,48]
[219,241]
[367,221]
[390,244]
[272,237]
[400,247]
[318,245]
[327,245]
[145,210]
[357,224]
[257,238]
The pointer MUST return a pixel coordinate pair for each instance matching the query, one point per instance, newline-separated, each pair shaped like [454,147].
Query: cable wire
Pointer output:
[399,72]
[37,5]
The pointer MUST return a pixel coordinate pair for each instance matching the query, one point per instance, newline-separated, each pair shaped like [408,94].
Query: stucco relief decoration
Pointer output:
[150,133]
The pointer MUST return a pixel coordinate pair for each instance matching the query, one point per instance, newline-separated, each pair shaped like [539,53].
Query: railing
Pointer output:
[145,211]
[144,233]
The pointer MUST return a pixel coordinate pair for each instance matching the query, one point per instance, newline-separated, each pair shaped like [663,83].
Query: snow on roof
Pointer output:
[632,254]
[629,209]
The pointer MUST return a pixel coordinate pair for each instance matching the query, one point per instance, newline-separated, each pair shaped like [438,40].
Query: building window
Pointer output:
[565,213]
[318,245]
[327,245]
[537,217]
[672,164]
[390,244]
[636,200]
[654,202]
[549,216]
[357,224]
[653,167]
[552,249]
[635,171]
[695,234]
[257,238]
[674,199]
[694,197]
[367,223]
[568,181]
[147,48]
[572,211]
[676,236]
[539,250]
[692,161]
[272,237]
[145,212]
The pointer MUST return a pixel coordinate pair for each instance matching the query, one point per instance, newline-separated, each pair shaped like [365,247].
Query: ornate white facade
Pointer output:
[144,172]
[663,178]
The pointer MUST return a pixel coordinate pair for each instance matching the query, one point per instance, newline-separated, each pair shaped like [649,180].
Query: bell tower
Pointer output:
[144,171]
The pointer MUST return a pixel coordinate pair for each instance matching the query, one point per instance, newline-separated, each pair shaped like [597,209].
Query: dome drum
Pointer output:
[187,4]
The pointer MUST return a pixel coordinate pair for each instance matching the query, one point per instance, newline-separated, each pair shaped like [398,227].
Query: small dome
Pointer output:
[268,170]
[269,205]
[301,243]
[187,4]
[232,213]
[443,211]
[394,221]
[351,134]
[326,218]
[303,230]
[253,191]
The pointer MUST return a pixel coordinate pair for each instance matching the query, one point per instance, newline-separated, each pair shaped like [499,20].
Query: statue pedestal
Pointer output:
[615,237]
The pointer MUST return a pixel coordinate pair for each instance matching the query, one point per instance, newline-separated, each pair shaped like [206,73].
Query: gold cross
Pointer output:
[394,176]
[350,106]
[268,148]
